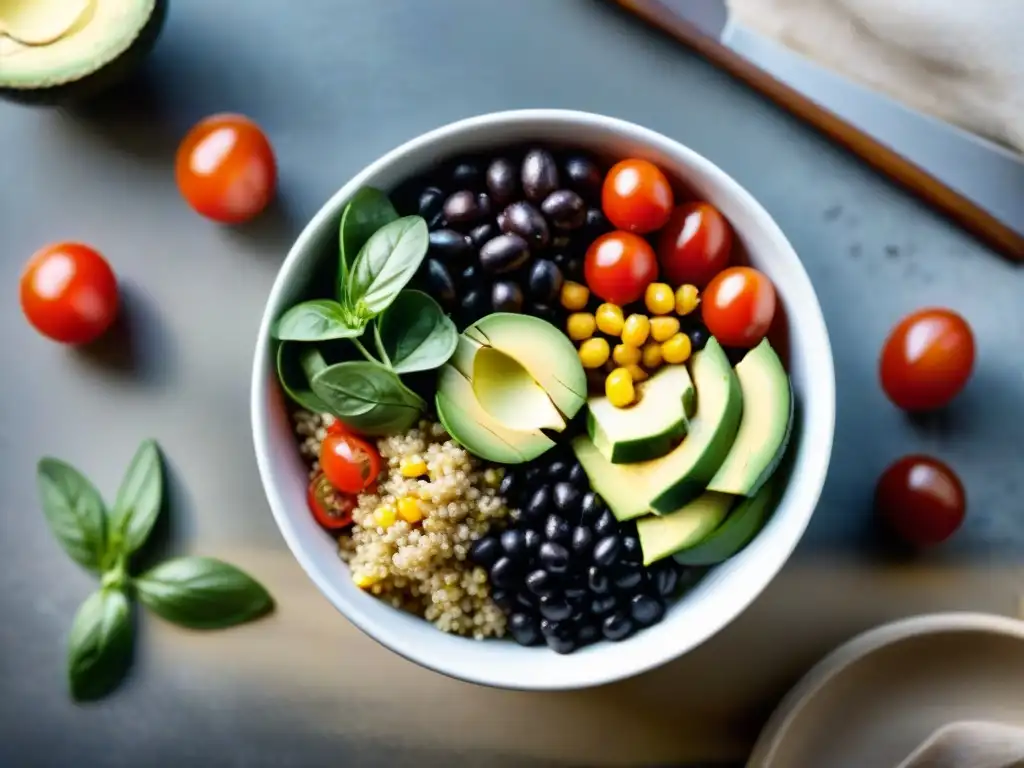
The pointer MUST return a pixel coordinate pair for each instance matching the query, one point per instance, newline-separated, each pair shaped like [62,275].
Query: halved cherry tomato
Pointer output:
[619,266]
[331,509]
[695,245]
[337,428]
[69,293]
[921,499]
[636,196]
[350,463]
[738,306]
[225,168]
[927,359]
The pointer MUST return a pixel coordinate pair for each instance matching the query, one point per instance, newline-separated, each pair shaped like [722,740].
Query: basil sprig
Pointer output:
[195,592]
[380,253]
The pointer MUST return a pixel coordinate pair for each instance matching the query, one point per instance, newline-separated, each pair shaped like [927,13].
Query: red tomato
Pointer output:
[619,266]
[69,293]
[330,508]
[636,196]
[738,306]
[695,245]
[920,499]
[927,359]
[226,169]
[350,463]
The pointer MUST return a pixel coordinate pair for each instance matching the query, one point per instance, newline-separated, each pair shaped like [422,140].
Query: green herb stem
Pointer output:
[364,351]
[380,346]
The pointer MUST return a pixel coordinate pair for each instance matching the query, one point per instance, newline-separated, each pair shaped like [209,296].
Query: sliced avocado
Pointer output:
[475,429]
[100,48]
[742,524]
[508,392]
[764,429]
[542,349]
[665,535]
[651,427]
[664,485]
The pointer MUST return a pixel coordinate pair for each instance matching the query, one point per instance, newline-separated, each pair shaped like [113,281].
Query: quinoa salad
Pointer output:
[540,397]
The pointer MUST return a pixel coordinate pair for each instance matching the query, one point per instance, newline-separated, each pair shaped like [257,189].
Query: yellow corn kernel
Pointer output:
[676,349]
[580,326]
[637,374]
[664,328]
[384,515]
[609,319]
[658,298]
[623,354]
[574,296]
[687,299]
[619,388]
[635,330]
[594,353]
[651,355]
[364,580]
[409,509]
[414,468]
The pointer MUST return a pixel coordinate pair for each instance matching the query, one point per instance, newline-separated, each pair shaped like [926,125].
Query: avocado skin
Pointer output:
[105,77]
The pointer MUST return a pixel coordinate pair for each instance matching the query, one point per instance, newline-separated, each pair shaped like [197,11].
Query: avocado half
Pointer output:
[101,49]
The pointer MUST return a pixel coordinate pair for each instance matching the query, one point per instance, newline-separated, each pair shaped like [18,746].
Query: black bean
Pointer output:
[483,202]
[506,296]
[509,481]
[627,576]
[646,610]
[514,543]
[526,221]
[587,634]
[470,278]
[485,551]
[573,269]
[533,474]
[475,304]
[554,608]
[541,583]
[603,604]
[578,476]
[698,337]
[504,253]
[538,506]
[584,175]
[557,470]
[564,209]
[554,557]
[559,637]
[560,240]
[575,589]
[597,581]
[504,573]
[591,506]
[582,540]
[482,233]
[439,282]
[606,551]
[606,524]
[557,530]
[502,181]
[631,550]
[430,206]
[503,599]
[526,601]
[524,629]
[665,581]
[596,223]
[462,208]
[544,312]
[616,627]
[567,499]
[449,245]
[545,281]
[539,175]
[467,173]
[550,627]
[532,539]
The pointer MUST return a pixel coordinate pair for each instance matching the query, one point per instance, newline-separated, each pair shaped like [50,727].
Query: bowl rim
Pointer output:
[813,470]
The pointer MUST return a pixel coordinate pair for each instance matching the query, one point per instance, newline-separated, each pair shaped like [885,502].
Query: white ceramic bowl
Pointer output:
[727,589]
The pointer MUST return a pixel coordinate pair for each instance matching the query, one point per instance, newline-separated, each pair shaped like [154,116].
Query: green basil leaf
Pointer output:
[99,645]
[202,593]
[367,211]
[318,320]
[294,364]
[416,334]
[75,512]
[386,264]
[368,397]
[138,501]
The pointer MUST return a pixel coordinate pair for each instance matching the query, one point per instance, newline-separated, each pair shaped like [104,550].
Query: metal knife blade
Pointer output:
[989,175]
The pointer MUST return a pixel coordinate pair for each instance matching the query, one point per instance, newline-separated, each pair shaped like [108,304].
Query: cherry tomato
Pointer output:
[927,359]
[330,508]
[619,266]
[226,169]
[920,499]
[636,196]
[337,428]
[695,244]
[738,306]
[69,293]
[350,463]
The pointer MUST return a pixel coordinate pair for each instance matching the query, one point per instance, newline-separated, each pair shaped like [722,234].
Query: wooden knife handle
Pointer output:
[968,215]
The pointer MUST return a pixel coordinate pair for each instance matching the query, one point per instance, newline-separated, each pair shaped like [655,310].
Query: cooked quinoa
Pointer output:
[410,540]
